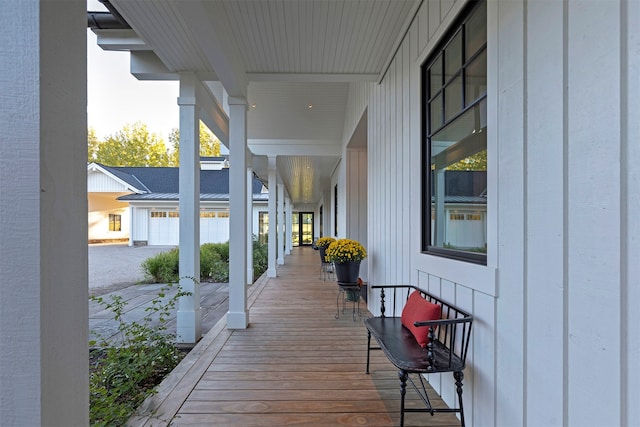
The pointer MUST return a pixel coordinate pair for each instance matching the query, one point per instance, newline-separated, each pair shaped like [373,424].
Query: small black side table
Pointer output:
[343,289]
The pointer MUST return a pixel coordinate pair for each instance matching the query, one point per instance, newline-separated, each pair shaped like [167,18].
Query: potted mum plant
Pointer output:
[346,255]
[322,244]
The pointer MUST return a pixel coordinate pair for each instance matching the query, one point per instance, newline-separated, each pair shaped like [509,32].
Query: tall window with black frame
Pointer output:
[454,121]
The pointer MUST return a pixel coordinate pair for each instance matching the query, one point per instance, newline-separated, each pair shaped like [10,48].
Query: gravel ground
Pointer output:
[114,266]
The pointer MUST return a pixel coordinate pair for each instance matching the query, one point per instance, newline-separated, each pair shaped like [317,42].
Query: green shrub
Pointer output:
[163,267]
[219,272]
[125,371]
[260,257]
[209,257]
[214,263]
[221,248]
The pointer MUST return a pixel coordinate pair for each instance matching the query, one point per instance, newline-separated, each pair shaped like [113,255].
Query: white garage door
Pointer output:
[214,226]
[164,227]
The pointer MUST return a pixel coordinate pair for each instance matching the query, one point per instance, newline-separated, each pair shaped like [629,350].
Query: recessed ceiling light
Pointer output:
[253,105]
[310,106]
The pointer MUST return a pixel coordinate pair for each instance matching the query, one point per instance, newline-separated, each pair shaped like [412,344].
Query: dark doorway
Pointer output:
[302,228]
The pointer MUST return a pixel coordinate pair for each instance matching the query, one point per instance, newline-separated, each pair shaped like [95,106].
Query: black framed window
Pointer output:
[115,222]
[454,127]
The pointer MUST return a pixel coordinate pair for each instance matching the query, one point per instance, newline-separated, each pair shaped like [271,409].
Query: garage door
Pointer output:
[214,226]
[164,227]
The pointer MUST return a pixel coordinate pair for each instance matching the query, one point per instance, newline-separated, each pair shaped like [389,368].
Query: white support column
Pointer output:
[288,238]
[238,315]
[189,316]
[132,212]
[326,214]
[280,224]
[44,375]
[273,236]
[249,221]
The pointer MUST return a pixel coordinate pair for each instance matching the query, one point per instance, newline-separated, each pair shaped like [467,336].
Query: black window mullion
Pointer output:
[429,129]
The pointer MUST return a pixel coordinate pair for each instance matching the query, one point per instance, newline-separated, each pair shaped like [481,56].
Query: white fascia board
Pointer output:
[120,40]
[295,147]
[154,204]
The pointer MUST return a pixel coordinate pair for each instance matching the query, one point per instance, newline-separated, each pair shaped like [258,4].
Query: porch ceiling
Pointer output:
[291,59]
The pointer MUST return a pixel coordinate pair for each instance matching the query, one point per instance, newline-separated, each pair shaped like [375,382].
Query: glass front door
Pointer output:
[302,228]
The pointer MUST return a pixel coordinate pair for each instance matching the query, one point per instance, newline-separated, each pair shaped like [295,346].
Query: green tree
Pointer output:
[134,145]
[209,144]
[92,144]
[476,162]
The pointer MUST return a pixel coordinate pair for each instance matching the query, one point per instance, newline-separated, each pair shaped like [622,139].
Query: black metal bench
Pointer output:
[446,350]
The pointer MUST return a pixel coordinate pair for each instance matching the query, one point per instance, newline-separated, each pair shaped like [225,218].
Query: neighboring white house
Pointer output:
[140,204]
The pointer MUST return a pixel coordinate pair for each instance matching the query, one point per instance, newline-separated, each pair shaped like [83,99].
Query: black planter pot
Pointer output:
[323,252]
[347,272]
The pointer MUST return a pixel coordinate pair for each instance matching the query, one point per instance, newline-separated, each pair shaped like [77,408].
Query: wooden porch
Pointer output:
[295,365]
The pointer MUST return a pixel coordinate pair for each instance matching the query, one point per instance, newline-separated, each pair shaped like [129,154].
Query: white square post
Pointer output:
[189,316]
[273,235]
[238,315]
[280,224]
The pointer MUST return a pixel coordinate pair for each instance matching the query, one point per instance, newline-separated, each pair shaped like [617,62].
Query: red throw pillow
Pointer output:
[418,309]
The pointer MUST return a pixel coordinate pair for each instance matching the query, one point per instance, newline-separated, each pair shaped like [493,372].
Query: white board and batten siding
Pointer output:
[556,297]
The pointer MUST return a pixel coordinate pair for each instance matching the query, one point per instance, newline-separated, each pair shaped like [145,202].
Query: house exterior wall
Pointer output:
[43,214]
[100,206]
[212,230]
[556,305]
[99,182]
[356,209]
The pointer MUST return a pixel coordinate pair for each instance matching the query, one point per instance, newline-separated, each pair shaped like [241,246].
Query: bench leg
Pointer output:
[459,376]
[368,348]
[402,375]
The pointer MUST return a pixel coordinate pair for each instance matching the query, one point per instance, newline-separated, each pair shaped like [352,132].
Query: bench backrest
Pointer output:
[453,331]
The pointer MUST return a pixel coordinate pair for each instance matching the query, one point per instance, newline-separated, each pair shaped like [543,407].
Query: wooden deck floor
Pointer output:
[295,365]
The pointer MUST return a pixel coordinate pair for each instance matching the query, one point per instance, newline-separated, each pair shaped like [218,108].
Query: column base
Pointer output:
[189,326]
[271,272]
[237,320]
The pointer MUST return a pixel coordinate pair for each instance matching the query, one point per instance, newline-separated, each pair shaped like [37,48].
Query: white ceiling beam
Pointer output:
[294,147]
[213,37]
[145,65]
[212,114]
[120,40]
[312,78]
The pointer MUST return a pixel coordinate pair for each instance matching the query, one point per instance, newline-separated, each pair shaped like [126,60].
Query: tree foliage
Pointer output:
[209,144]
[476,162]
[133,145]
[93,144]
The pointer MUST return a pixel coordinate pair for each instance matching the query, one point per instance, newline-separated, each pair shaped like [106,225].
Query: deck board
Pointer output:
[295,365]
